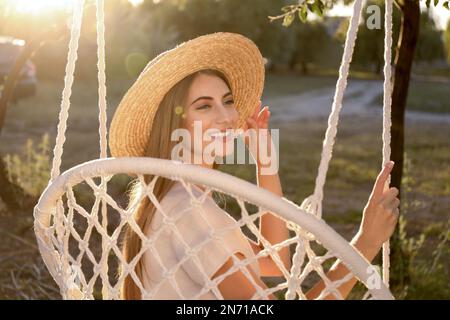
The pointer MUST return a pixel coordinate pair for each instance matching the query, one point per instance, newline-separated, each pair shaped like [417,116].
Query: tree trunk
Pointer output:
[304,66]
[13,195]
[409,34]
[27,52]
[9,191]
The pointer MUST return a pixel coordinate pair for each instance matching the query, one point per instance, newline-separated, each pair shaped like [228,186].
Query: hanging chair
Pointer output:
[79,243]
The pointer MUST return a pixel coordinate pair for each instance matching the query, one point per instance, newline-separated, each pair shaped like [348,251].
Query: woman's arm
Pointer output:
[339,271]
[246,289]
[271,227]
[380,217]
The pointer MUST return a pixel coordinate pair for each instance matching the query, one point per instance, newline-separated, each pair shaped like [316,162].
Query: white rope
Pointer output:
[101,77]
[103,139]
[67,91]
[387,104]
[314,203]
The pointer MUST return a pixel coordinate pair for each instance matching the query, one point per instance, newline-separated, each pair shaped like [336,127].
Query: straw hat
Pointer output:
[236,56]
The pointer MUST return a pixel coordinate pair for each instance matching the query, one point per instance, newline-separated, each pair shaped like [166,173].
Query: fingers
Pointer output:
[381,180]
[259,119]
[389,195]
[252,123]
[255,113]
[263,111]
[389,198]
[391,205]
[263,121]
[390,202]
[396,212]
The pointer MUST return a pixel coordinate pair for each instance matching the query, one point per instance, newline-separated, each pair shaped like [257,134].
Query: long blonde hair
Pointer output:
[160,146]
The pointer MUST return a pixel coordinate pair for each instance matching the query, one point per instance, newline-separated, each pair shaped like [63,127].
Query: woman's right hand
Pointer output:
[381,213]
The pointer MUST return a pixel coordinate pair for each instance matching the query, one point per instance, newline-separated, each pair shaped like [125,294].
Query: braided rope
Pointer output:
[102,132]
[67,91]
[387,104]
[101,77]
[313,203]
[77,18]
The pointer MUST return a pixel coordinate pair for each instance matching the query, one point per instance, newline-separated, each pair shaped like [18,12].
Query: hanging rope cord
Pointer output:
[68,83]
[387,107]
[106,247]
[313,203]
[64,114]
[77,18]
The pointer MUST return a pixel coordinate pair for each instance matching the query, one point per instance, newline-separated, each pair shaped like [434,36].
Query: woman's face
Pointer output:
[209,109]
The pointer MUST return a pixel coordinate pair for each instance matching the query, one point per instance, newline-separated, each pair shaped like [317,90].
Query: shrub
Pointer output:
[31,169]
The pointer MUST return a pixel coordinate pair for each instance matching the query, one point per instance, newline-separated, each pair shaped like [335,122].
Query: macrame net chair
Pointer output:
[79,242]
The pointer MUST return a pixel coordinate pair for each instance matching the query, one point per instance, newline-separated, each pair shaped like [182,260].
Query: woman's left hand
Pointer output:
[259,120]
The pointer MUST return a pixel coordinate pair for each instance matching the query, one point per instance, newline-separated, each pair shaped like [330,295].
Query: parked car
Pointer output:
[10,49]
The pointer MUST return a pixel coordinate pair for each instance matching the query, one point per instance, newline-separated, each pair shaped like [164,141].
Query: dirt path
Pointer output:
[359,99]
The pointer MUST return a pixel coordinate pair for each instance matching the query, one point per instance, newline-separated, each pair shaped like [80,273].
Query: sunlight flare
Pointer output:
[36,7]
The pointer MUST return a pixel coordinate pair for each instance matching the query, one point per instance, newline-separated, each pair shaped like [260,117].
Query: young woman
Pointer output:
[216,100]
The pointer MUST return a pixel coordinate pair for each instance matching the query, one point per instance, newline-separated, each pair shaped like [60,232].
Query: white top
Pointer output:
[194,227]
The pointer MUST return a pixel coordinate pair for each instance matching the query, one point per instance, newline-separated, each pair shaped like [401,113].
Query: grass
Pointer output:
[355,164]
[433,71]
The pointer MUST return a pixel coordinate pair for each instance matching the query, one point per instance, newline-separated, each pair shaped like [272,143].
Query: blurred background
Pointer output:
[302,65]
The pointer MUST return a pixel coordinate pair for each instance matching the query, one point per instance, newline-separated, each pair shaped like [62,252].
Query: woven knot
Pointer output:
[127,269]
[168,274]
[148,242]
[214,235]
[240,264]
[97,269]
[190,252]
[168,221]
[210,285]
[312,205]
[83,245]
[315,263]
[196,202]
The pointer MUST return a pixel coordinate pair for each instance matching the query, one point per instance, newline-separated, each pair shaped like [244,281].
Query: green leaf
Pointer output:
[436,2]
[427,3]
[288,19]
[303,14]
[317,8]
[446,5]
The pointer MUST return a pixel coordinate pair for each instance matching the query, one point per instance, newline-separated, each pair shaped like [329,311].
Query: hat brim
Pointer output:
[236,56]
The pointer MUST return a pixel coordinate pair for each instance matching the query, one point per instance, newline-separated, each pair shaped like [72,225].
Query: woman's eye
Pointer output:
[202,107]
[230,102]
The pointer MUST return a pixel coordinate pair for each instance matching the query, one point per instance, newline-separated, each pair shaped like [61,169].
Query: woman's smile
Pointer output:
[223,136]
